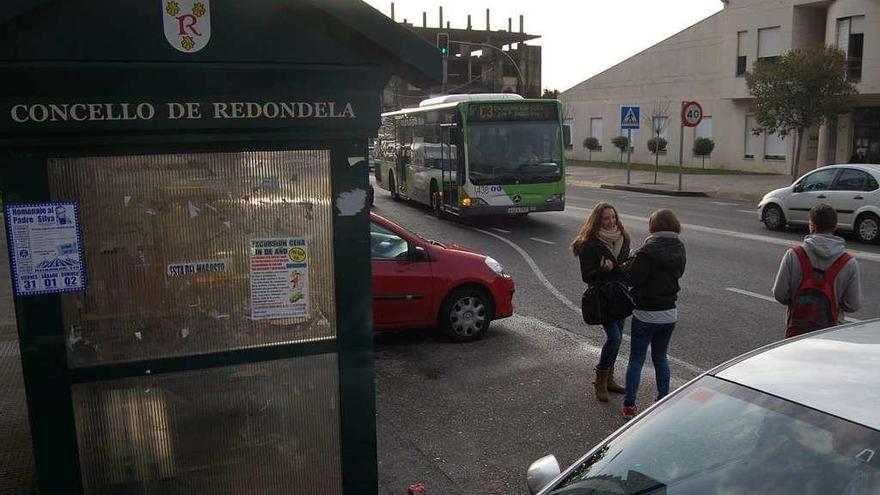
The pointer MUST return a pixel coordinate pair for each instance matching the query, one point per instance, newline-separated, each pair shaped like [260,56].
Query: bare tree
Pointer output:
[657,120]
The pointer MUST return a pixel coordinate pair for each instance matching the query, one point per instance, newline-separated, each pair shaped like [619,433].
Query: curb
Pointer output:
[663,192]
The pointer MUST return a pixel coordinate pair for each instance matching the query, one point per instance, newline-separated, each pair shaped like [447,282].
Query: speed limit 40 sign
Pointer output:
[691,113]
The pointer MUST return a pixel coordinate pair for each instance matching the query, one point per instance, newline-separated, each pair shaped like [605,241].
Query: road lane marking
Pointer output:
[864,255]
[542,241]
[768,298]
[537,271]
[750,212]
[499,230]
[561,297]
[721,203]
[580,198]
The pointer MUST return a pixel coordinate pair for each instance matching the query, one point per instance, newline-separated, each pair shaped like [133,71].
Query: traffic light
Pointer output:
[443,44]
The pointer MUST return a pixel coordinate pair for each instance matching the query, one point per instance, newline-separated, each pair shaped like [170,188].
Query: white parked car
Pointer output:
[852,190]
[796,417]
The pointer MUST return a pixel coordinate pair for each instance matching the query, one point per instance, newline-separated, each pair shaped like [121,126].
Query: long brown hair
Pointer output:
[592,226]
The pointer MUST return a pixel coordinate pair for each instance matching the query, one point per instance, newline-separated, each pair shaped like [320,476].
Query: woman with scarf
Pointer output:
[602,246]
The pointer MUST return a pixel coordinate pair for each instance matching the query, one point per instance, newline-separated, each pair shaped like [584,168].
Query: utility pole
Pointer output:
[629,138]
[681,146]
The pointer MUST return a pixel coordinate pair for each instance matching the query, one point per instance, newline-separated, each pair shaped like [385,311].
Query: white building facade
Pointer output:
[707,63]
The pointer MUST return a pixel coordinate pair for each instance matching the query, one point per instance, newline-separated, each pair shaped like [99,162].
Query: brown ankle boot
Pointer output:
[602,385]
[613,386]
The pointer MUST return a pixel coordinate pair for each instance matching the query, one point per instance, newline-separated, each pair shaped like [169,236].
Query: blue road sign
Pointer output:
[629,117]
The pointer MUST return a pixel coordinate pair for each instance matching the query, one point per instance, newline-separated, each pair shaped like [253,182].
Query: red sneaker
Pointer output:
[629,412]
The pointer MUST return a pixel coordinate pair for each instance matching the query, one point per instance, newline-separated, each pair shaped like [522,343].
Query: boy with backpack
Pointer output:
[818,280]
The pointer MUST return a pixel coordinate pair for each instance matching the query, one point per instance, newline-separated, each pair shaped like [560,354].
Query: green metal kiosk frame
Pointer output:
[100,79]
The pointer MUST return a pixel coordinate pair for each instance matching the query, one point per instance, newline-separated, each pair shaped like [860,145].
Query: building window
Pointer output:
[741,57]
[751,140]
[768,44]
[851,40]
[704,130]
[774,146]
[596,130]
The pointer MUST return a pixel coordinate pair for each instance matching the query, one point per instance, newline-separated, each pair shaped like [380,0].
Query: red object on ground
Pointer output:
[417,489]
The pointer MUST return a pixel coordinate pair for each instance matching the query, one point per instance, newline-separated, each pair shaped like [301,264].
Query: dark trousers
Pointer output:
[656,336]
[613,336]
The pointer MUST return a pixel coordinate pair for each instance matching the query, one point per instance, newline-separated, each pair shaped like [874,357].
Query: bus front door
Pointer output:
[450,168]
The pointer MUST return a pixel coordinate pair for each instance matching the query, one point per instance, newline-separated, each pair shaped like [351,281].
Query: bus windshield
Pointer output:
[514,152]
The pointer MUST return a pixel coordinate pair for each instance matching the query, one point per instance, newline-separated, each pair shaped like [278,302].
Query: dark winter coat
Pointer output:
[654,271]
[591,256]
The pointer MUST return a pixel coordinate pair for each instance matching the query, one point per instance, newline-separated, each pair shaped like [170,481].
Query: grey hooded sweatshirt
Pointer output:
[823,250]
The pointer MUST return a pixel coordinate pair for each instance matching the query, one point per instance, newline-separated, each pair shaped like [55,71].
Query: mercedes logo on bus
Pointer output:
[517,198]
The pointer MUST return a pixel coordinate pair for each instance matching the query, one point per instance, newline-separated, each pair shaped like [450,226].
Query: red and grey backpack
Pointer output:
[814,305]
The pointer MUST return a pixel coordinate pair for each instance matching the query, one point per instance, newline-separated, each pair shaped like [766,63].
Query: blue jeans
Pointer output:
[613,336]
[657,336]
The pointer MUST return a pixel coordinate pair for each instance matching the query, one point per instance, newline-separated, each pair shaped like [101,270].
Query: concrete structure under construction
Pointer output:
[479,61]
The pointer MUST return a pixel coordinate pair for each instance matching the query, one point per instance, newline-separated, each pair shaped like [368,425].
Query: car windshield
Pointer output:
[721,438]
[514,152]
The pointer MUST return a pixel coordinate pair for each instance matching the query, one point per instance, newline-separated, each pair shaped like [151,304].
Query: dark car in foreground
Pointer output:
[419,283]
[798,417]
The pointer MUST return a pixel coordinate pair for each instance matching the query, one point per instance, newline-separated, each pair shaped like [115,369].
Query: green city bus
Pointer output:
[477,154]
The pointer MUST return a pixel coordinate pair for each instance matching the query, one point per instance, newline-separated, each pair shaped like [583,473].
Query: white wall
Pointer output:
[700,64]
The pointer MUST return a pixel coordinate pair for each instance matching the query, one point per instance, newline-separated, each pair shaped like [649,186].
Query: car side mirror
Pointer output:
[799,188]
[417,254]
[542,472]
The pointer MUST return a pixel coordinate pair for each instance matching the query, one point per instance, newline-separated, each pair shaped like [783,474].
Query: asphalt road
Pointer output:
[724,312]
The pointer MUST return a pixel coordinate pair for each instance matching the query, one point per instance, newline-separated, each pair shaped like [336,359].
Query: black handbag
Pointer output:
[605,303]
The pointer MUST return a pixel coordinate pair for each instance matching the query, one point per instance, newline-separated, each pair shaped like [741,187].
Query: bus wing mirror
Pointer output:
[566,136]
[454,135]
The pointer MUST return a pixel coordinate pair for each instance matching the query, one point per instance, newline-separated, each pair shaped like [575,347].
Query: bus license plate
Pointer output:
[518,209]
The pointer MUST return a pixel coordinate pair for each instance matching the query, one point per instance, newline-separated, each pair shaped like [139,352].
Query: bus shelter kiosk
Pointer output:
[184,186]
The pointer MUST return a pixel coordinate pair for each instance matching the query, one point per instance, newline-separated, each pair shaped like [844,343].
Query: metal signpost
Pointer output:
[629,120]
[691,116]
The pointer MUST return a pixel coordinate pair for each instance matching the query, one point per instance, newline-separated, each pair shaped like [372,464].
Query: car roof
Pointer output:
[835,371]
[868,167]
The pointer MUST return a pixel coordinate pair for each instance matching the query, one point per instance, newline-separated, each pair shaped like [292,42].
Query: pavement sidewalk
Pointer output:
[745,187]
[472,418]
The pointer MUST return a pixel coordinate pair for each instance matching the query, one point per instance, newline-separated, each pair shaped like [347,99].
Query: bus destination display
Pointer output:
[512,111]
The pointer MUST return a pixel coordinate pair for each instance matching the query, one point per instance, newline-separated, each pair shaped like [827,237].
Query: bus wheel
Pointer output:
[392,186]
[436,201]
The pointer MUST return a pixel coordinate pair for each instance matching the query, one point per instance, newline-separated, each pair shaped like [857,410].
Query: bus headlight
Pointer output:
[465,202]
[556,198]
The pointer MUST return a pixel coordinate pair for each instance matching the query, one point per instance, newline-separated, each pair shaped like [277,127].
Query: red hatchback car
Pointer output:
[418,283]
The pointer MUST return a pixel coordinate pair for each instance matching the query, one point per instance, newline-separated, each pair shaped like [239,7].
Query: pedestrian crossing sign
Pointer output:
[629,117]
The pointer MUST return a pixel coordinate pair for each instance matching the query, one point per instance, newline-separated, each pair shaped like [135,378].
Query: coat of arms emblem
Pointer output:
[187,23]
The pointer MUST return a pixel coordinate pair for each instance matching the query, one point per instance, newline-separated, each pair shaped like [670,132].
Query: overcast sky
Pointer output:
[580,37]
